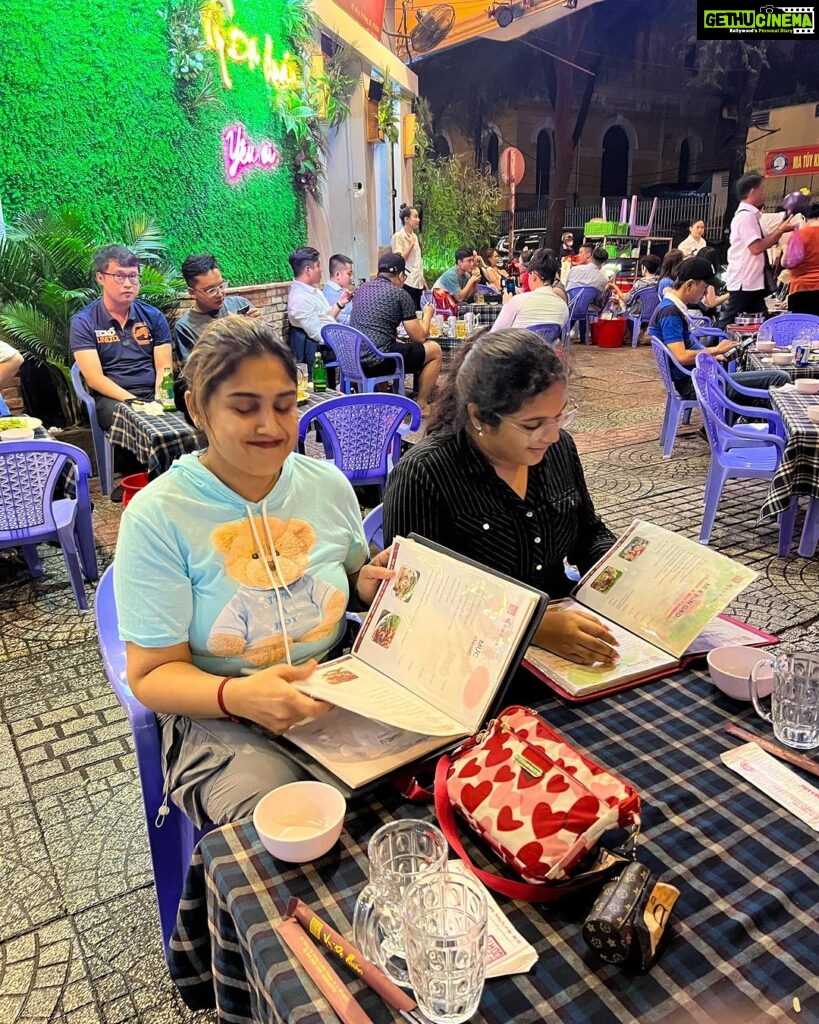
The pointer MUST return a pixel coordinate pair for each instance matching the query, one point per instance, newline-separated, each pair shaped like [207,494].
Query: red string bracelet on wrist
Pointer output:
[220,700]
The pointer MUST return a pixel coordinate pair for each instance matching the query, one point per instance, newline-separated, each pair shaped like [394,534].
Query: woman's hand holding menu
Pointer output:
[577,636]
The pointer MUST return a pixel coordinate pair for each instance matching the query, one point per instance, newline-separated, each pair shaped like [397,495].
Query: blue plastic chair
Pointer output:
[675,406]
[30,515]
[554,335]
[362,433]
[702,329]
[103,449]
[172,842]
[579,301]
[771,421]
[786,328]
[732,457]
[374,527]
[649,300]
[347,344]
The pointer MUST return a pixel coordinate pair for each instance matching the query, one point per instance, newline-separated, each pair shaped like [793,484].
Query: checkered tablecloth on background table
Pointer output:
[155,440]
[485,313]
[798,471]
[743,940]
[756,362]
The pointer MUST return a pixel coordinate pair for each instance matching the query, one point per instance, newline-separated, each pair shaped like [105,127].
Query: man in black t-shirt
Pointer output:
[380,307]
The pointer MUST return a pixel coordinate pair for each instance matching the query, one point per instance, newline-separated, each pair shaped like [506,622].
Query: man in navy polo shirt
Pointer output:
[121,345]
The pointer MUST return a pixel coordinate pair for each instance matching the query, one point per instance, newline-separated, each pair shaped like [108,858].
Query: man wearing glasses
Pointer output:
[207,288]
[121,345]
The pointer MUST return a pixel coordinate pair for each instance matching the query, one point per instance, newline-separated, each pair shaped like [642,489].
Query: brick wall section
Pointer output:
[271,299]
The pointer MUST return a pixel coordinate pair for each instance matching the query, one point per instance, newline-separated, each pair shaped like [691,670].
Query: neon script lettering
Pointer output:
[232,44]
[241,155]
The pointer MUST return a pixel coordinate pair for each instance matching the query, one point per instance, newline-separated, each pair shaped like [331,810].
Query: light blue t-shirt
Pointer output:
[189,568]
[452,281]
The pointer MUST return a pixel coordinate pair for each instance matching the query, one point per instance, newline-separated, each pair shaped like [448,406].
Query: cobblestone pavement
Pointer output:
[79,937]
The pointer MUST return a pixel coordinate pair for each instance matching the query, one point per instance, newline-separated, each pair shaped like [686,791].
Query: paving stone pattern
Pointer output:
[79,935]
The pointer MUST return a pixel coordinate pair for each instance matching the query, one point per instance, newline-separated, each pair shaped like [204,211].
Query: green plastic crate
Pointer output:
[598,228]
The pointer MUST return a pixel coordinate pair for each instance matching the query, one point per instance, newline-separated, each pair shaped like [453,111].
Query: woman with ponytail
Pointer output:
[498,479]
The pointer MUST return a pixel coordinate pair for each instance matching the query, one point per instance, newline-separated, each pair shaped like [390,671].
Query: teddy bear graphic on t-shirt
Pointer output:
[250,624]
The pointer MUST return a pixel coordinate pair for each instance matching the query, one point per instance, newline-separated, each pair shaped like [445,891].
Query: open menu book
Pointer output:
[660,594]
[437,646]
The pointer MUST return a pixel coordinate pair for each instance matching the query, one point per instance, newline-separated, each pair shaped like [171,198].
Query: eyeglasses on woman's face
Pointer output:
[546,424]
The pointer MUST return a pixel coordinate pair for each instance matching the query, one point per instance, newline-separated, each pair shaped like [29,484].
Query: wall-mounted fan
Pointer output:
[433,26]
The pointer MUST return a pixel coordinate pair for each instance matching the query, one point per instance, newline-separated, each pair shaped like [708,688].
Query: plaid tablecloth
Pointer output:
[755,362]
[486,313]
[798,471]
[155,440]
[744,937]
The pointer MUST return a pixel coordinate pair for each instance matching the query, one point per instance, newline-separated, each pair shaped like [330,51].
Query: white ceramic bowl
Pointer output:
[765,346]
[301,821]
[806,386]
[781,358]
[730,669]
[17,434]
[813,413]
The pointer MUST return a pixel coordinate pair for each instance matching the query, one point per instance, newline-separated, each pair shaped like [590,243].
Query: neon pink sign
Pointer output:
[241,155]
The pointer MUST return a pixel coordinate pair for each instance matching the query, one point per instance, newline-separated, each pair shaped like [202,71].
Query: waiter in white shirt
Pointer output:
[745,279]
[406,243]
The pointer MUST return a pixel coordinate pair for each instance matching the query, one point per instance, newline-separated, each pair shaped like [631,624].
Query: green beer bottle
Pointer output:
[166,390]
[319,374]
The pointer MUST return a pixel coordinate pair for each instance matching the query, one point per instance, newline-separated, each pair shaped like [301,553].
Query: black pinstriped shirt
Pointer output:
[446,491]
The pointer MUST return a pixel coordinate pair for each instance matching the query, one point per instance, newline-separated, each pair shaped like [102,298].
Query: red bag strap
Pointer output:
[506,886]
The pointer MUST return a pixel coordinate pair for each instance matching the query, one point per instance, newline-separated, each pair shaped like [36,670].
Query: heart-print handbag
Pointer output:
[537,801]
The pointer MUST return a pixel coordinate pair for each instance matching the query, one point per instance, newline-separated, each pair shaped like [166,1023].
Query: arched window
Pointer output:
[492,152]
[440,144]
[614,165]
[543,166]
[685,163]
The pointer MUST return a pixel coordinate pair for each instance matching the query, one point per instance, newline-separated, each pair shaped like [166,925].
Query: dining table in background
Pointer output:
[157,440]
[485,313]
[798,472]
[754,361]
[741,947]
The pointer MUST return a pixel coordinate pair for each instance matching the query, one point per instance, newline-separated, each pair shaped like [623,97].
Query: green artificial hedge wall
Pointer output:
[89,116]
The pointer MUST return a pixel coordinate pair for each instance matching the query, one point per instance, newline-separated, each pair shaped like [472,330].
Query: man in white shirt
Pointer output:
[307,308]
[587,270]
[745,278]
[541,304]
[340,280]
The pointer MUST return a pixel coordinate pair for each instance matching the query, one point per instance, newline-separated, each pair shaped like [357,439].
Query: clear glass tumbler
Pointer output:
[445,942]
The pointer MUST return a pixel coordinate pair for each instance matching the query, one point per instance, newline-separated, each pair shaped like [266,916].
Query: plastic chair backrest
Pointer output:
[641,230]
[787,327]
[359,431]
[551,333]
[580,299]
[374,527]
[29,471]
[102,446]
[665,360]
[649,300]
[171,844]
[347,343]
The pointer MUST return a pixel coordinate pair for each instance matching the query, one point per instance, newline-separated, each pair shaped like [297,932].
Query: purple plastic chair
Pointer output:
[675,405]
[30,515]
[347,344]
[771,423]
[649,300]
[374,527]
[554,335]
[732,457]
[786,328]
[702,328]
[171,837]
[579,301]
[103,449]
[362,433]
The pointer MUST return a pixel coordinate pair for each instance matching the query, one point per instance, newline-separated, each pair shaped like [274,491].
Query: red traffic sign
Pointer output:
[513,166]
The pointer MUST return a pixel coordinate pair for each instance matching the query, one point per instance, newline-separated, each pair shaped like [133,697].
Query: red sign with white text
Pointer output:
[802,160]
[369,13]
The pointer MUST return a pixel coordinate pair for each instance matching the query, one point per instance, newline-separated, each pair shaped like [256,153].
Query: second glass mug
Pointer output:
[398,854]
[794,711]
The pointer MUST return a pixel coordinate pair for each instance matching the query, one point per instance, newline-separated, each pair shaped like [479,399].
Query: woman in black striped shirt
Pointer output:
[497,480]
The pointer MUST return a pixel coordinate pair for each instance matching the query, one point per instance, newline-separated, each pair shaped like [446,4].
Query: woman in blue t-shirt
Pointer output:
[232,575]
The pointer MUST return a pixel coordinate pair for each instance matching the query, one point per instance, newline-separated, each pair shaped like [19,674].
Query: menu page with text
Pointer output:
[662,586]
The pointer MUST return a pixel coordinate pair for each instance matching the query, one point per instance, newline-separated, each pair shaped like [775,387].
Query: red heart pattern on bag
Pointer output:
[541,825]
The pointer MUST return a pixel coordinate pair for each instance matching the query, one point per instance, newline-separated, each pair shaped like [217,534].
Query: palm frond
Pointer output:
[31,332]
[142,236]
[18,278]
